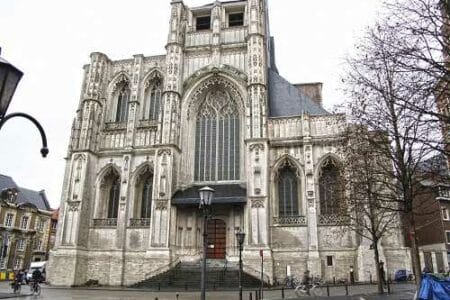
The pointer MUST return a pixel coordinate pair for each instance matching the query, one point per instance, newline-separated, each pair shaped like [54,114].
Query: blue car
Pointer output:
[403,275]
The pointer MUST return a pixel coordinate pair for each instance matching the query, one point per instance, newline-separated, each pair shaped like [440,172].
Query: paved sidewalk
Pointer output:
[401,292]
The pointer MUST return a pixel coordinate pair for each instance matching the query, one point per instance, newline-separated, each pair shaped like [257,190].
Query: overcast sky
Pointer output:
[50,41]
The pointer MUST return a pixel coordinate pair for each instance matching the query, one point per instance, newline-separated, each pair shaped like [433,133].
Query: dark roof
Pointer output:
[224,194]
[436,165]
[24,196]
[285,100]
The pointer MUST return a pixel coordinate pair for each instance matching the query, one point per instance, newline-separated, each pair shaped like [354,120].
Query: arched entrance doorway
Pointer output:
[216,239]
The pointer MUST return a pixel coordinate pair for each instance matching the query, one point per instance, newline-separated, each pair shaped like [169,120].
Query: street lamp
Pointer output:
[206,197]
[9,79]
[240,236]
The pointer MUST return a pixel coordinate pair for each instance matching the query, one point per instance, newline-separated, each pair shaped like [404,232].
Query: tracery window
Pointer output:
[122,103]
[217,145]
[111,185]
[144,189]
[287,192]
[153,101]
[330,188]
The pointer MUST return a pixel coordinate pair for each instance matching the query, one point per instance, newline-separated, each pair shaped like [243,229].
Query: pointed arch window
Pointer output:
[287,192]
[109,193]
[144,188]
[113,201]
[122,104]
[330,188]
[217,141]
[153,101]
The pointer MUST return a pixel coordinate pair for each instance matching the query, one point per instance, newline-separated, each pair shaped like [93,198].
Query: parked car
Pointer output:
[403,275]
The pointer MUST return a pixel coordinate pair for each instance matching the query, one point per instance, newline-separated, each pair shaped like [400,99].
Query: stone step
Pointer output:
[188,276]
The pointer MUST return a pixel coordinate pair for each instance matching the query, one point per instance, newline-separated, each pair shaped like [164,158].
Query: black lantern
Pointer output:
[206,196]
[240,236]
[9,79]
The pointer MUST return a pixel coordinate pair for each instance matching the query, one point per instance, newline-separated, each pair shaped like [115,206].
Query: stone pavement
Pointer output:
[401,292]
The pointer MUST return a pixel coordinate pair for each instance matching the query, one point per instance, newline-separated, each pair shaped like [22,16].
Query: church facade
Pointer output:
[212,111]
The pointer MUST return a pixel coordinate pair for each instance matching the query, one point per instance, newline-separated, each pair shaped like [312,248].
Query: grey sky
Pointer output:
[50,41]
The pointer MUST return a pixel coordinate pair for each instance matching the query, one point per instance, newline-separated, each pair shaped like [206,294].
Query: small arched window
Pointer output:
[287,192]
[330,189]
[122,104]
[153,101]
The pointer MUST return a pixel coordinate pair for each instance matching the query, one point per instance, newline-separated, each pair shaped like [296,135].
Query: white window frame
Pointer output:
[21,244]
[9,220]
[22,223]
[447,236]
[41,225]
[445,214]
[39,245]
[18,263]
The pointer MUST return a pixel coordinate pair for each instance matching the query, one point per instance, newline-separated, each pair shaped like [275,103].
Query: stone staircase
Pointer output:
[187,276]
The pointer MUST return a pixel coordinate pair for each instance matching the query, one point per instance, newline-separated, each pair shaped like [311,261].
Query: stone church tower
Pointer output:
[150,131]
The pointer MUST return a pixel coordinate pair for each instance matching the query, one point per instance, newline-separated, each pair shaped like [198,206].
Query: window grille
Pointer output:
[122,104]
[217,143]
[287,192]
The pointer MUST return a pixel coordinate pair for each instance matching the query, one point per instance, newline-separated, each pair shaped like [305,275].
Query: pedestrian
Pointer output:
[383,275]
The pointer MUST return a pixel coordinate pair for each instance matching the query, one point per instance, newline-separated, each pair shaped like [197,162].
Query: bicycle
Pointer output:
[35,288]
[16,286]
[313,289]
[291,282]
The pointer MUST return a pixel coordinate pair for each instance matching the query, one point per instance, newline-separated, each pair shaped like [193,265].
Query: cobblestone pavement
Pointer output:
[401,292]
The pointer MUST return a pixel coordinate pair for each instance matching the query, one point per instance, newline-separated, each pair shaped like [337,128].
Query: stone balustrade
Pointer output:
[290,220]
[142,222]
[111,222]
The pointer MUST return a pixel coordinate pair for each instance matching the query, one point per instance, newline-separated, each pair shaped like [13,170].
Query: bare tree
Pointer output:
[370,207]
[420,31]
[388,97]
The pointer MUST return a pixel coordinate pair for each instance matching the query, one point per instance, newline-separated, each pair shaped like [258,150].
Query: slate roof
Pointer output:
[285,100]
[37,198]
[224,194]
[436,165]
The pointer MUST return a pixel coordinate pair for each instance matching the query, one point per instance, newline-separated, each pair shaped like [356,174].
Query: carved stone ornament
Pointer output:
[256,147]
[214,83]
[258,203]
[73,205]
[161,205]
[164,151]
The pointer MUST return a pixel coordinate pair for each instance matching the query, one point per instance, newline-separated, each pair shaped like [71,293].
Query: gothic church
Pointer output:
[212,111]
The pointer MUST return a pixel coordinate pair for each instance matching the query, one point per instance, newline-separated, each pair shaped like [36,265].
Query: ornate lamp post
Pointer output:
[240,236]
[9,79]
[206,197]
